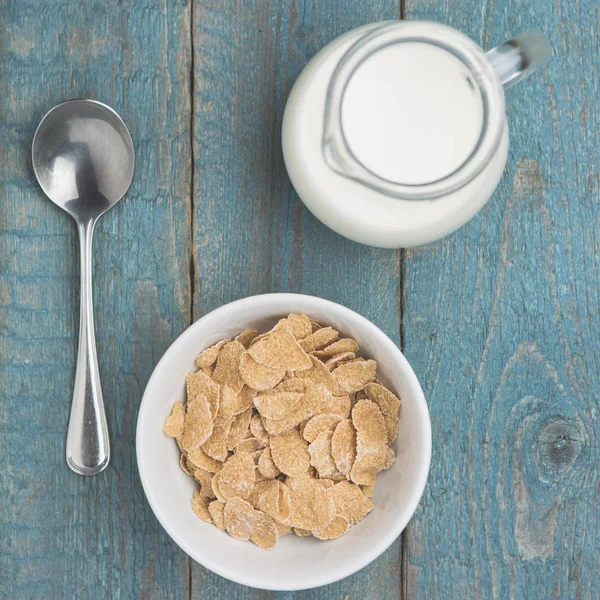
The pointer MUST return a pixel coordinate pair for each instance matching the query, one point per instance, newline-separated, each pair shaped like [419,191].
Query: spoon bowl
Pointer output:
[83,159]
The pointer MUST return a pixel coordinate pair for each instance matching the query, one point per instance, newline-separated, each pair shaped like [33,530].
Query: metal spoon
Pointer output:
[83,159]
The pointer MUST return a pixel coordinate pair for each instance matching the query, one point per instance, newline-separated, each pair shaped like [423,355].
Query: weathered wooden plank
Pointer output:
[62,535]
[501,326]
[251,232]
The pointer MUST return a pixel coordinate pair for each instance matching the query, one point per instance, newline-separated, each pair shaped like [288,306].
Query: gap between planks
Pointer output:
[192,257]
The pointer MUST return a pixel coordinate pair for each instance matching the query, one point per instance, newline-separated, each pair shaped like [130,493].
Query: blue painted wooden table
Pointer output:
[500,320]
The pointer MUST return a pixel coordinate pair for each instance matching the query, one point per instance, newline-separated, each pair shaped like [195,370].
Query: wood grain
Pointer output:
[501,325]
[62,535]
[251,232]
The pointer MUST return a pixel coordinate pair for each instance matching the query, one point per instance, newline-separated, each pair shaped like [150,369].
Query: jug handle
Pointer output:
[518,58]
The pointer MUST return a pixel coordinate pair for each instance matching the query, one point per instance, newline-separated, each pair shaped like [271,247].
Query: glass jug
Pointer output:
[395,133]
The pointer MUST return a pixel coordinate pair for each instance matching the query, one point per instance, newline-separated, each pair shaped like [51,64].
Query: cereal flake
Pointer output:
[175,421]
[343,446]
[290,453]
[257,376]
[353,376]
[389,405]
[371,438]
[279,350]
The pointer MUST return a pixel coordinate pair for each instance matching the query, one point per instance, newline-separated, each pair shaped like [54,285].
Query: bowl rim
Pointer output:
[396,527]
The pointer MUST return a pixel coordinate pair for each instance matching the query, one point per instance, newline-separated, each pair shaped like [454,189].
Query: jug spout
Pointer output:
[518,58]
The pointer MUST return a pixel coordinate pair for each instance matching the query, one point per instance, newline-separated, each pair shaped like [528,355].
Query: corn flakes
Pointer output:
[284,431]
[290,453]
[175,421]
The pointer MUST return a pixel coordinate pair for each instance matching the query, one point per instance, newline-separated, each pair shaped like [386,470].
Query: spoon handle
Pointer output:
[88,446]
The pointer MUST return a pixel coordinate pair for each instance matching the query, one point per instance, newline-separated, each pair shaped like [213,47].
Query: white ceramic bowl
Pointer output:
[295,563]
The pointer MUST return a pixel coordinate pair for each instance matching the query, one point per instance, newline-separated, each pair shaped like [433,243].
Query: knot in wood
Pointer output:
[560,443]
